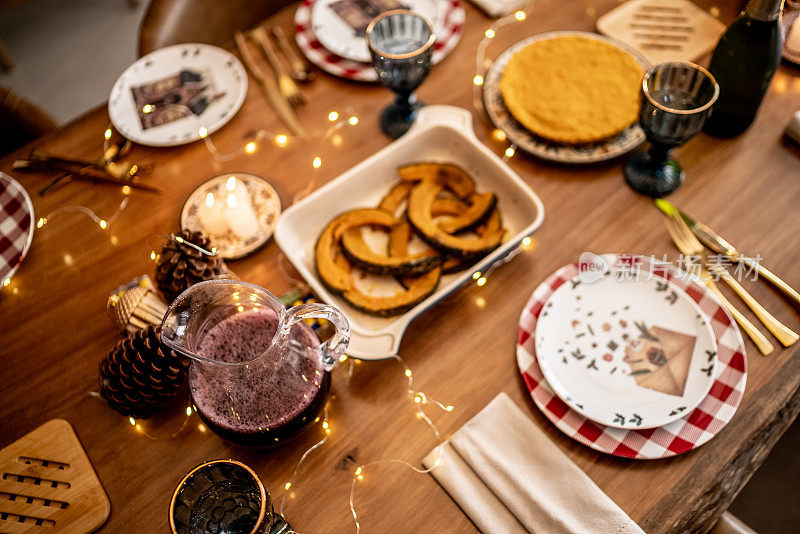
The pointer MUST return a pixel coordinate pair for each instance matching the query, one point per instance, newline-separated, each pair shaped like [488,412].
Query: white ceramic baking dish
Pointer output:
[440,133]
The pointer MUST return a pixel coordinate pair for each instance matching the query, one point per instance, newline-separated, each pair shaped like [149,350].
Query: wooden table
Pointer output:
[54,330]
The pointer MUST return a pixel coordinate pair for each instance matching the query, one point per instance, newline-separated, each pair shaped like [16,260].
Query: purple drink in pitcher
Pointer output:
[269,399]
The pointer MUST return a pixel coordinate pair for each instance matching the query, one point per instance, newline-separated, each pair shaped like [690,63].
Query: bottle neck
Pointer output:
[765,10]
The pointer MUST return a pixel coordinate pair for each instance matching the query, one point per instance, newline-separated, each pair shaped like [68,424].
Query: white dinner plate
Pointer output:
[626,351]
[338,37]
[628,140]
[218,69]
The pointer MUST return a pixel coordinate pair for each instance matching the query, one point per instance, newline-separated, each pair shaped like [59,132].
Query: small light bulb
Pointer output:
[358,471]
[526,241]
[152,255]
[509,152]
[482,281]
[188,410]
[342,358]
[147,108]
[353,120]
[179,239]
[480,302]
[281,140]
[489,33]
[417,399]
[317,163]
[520,15]
[337,140]
[287,486]
[500,135]
[107,134]
[476,275]
[202,132]
[408,373]
[250,147]
[478,79]
[41,222]
[103,224]
[6,282]
[126,190]
[448,408]
[132,421]
[332,116]
[240,308]
[325,424]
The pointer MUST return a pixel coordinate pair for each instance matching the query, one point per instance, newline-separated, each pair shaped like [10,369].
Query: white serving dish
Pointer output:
[440,133]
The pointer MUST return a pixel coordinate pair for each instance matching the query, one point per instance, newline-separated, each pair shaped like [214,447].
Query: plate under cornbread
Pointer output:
[572,89]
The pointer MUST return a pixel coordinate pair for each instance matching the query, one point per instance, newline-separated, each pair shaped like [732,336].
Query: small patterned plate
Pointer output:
[237,211]
[16,225]
[625,351]
[217,69]
[628,140]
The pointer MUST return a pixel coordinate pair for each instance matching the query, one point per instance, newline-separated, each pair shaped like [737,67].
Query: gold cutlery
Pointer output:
[691,244]
[107,165]
[301,70]
[286,85]
[719,245]
[84,173]
[269,87]
[679,232]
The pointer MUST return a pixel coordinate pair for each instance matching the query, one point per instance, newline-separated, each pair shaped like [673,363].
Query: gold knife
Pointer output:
[270,88]
[719,245]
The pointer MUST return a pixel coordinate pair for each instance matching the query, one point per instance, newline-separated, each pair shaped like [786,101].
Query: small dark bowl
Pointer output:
[221,497]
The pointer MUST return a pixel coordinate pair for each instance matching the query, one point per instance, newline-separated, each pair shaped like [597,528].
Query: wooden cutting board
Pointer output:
[48,485]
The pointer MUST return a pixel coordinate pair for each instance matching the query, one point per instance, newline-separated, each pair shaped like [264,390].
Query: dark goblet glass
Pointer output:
[676,99]
[401,45]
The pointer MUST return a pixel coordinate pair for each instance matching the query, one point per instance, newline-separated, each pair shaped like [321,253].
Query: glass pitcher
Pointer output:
[259,374]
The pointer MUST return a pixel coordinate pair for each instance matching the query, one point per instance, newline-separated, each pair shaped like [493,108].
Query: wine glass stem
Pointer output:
[403,102]
[659,153]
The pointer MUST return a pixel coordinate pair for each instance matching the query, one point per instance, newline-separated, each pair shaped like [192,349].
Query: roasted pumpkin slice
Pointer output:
[418,288]
[335,274]
[395,197]
[420,202]
[481,206]
[454,264]
[361,255]
[448,206]
[455,179]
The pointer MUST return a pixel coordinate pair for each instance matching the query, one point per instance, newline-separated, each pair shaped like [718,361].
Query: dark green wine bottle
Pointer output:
[744,61]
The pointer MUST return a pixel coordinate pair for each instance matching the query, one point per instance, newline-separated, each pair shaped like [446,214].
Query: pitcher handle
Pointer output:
[335,347]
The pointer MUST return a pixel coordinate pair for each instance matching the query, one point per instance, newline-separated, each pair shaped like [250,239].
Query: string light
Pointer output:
[478,79]
[107,134]
[317,162]
[519,15]
[251,147]
[489,33]
[332,116]
[510,152]
[281,140]
[353,120]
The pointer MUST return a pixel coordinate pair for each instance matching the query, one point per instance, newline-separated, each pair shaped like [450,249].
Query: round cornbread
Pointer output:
[572,89]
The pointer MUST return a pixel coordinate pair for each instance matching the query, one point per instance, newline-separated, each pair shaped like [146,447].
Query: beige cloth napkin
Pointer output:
[509,477]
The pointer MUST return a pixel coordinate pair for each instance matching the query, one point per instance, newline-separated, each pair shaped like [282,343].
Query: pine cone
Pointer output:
[182,265]
[140,375]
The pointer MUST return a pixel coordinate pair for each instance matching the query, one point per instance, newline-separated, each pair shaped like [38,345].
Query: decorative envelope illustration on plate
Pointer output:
[660,358]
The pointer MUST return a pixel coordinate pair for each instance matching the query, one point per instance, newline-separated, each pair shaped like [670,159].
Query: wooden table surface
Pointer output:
[53,328]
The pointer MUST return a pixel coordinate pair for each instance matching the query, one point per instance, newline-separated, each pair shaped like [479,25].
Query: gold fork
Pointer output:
[784,334]
[286,85]
[675,227]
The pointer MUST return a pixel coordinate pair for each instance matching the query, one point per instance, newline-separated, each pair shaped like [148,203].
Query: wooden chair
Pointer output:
[22,121]
[169,22]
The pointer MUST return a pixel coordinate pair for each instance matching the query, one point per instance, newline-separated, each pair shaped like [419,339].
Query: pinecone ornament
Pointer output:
[181,265]
[140,375]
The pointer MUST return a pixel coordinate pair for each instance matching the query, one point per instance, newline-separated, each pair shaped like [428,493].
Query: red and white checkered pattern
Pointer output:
[16,225]
[331,63]
[680,436]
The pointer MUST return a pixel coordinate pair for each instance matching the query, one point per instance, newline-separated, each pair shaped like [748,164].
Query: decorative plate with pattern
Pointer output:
[340,38]
[628,140]
[16,225]
[451,23]
[177,94]
[625,351]
[237,211]
[695,428]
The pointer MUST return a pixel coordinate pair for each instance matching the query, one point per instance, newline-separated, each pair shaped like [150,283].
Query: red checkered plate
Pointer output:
[446,40]
[16,225]
[680,436]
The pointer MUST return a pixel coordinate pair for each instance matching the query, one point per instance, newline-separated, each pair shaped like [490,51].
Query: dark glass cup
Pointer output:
[676,99]
[223,497]
[401,45]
